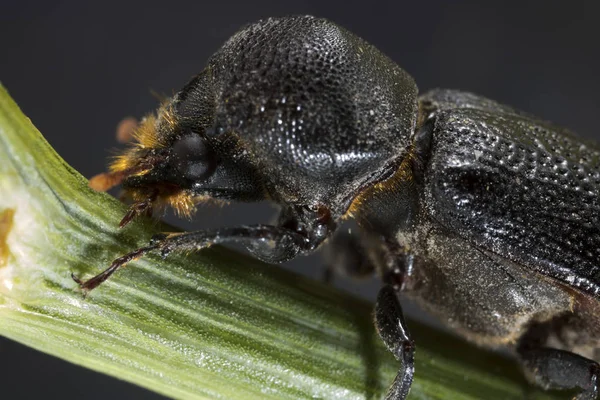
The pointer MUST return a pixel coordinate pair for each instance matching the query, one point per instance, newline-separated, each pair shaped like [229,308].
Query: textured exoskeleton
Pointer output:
[488,217]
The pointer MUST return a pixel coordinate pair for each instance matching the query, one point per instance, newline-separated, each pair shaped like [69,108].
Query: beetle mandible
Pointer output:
[486,216]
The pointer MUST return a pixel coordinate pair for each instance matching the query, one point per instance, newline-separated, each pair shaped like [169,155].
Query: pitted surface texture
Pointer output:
[521,188]
[317,106]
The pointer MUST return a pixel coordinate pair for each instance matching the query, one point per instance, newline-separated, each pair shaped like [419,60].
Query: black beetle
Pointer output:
[486,216]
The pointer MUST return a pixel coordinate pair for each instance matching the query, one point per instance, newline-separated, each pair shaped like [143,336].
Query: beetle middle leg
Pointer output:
[393,330]
[360,255]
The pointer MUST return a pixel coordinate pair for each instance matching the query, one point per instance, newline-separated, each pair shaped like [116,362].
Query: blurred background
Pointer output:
[77,68]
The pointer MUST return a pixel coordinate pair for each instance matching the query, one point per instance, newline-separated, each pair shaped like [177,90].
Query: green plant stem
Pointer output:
[211,325]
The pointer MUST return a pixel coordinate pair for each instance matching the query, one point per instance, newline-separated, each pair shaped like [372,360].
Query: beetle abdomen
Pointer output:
[520,188]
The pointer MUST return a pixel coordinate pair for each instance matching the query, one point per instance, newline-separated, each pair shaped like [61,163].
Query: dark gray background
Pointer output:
[77,68]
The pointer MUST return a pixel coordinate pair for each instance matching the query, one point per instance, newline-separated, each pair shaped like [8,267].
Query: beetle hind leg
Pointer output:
[559,369]
[390,324]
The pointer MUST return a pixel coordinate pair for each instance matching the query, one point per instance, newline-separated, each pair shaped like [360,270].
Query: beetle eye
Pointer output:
[192,157]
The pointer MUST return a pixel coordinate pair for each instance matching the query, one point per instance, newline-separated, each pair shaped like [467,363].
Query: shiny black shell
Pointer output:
[313,115]
[516,186]
[319,109]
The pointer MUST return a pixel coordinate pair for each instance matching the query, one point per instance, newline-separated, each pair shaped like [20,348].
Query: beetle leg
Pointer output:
[559,369]
[267,242]
[390,324]
[345,254]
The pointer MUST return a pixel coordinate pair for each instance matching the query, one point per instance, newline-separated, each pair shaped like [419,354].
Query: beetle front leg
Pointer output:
[559,369]
[267,242]
[392,329]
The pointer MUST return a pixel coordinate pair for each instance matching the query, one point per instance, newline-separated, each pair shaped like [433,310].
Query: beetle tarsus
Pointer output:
[80,284]
[92,283]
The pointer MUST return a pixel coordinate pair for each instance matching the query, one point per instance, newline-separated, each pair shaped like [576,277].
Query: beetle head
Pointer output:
[179,164]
